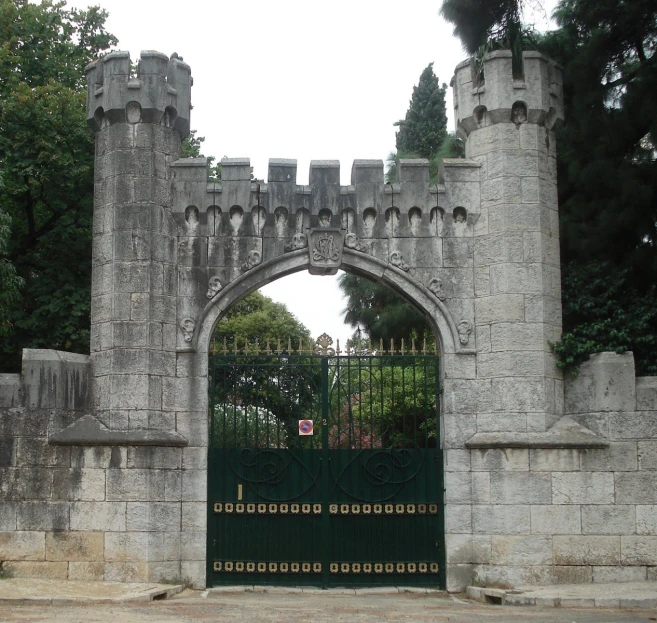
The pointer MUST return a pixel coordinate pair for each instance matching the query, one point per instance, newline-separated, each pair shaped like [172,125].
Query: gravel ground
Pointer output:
[316,608]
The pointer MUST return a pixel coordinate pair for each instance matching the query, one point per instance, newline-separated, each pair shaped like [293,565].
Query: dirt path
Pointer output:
[267,608]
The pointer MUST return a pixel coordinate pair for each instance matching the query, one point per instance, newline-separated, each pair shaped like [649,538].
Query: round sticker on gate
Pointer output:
[305,427]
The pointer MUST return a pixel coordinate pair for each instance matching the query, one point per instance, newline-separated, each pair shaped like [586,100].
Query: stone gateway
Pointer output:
[103,459]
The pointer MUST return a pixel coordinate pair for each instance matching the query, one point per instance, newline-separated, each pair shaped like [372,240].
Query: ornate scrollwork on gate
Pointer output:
[386,470]
[263,470]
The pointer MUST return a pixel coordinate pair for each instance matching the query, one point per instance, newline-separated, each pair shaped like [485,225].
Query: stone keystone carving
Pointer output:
[253,259]
[436,286]
[397,260]
[214,286]
[465,329]
[325,250]
[351,241]
[188,325]
[299,241]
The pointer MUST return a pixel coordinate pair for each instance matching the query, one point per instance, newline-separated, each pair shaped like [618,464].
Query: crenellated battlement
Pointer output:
[500,98]
[158,92]
[368,207]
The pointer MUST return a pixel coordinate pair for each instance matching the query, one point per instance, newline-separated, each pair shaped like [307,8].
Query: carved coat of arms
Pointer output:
[325,248]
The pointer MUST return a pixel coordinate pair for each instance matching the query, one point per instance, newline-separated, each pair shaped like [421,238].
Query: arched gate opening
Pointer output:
[324,464]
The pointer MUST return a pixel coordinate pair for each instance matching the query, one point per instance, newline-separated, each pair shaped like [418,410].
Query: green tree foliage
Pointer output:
[258,399]
[191,148]
[422,134]
[424,128]
[258,318]
[604,311]
[10,282]
[382,313]
[476,22]
[46,168]
[606,165]
[608,220]
[486,25]
[610,78]
[389,405]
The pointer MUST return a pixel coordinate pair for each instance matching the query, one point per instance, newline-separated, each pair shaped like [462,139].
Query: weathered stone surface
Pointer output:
[78,484]
[135,485]
[520,488]
[194,516]
[457,460]
[74,546]
[648,454]
[521,550]
[500,460]
[193,573]
[636,487]
[458,519]
[605,383]
[500,519]
[458,487]
[587,550]
[501,422]
[8,516]
[29,569]
[601,519]
[639,550]
[646,393]
[557,460]
[43,516]
[103,516]
[618,457]
[90,432]
[646,520]
[153,516]
[459,548]
[126,547]
[637,425]
[582,488]
[22,545]
[551,519]
[573,575]
[86,571]
[619,574]
[126,571]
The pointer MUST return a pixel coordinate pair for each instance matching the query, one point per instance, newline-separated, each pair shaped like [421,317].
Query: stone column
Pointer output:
[139,121]
[508,125]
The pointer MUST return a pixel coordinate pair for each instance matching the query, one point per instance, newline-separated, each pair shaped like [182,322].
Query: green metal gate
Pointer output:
[358,502]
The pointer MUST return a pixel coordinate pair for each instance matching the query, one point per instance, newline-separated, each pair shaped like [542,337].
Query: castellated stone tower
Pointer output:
[508,127]
[140,120]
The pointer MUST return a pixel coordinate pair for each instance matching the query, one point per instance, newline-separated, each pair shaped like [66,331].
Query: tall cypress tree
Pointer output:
[424,128]
[422,134]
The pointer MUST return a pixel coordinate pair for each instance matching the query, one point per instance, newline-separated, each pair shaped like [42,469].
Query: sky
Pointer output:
[298,79]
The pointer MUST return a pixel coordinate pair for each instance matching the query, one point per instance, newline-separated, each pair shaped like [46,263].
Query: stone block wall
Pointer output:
[103,459]
[128,513]
[562,513]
